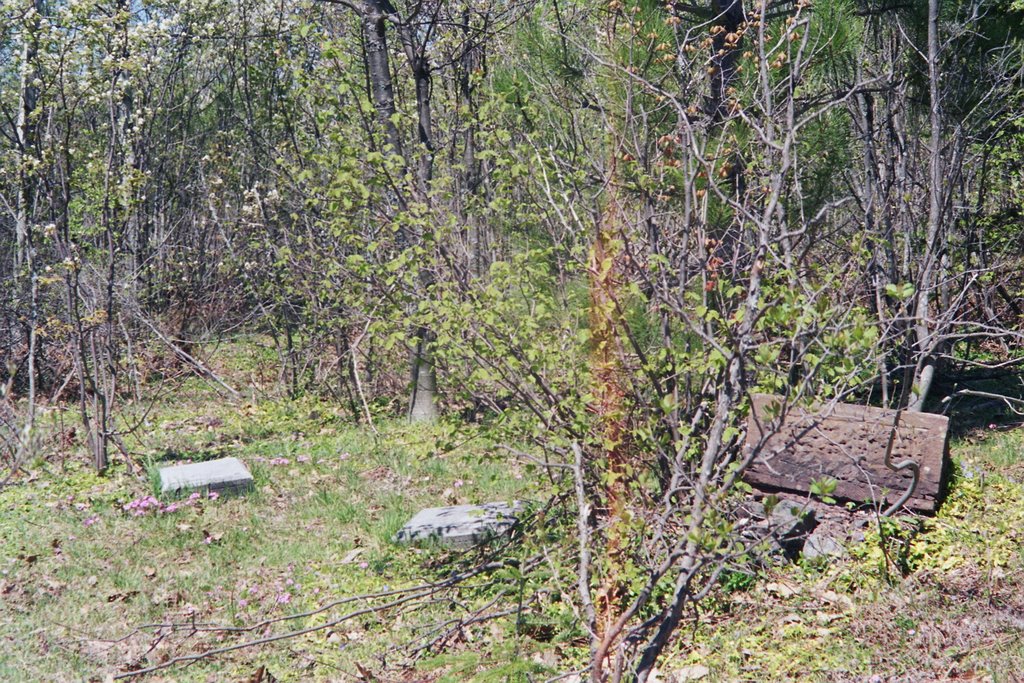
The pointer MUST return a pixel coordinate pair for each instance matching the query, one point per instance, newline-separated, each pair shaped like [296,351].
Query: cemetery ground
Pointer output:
[97,578]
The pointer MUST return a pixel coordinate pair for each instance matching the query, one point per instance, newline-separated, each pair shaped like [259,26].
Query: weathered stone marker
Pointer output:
[225,476]
[460,526]
[848,443]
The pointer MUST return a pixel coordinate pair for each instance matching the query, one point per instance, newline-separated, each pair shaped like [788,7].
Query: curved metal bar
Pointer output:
[908,464]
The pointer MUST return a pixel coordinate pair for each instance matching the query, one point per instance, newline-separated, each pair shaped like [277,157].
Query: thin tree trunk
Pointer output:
[27,96]
[927,363]
[373,14]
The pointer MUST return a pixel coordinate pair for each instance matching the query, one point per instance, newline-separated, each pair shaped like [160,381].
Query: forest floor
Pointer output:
[90,590]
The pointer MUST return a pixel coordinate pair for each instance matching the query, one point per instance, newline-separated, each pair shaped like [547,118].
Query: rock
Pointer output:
[789,525]
[693,672]
[460,526]
[820,544]
[784,525]
[789,519]
[225,476]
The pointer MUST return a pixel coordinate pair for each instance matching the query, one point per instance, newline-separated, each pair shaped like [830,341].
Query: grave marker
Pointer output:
[225,476]
[460,526]
[847,443]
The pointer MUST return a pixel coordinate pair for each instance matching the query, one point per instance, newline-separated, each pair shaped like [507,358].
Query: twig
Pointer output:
[354,349]
[269,639]
[535,460]
[191,360]
[986,394]
[583,531]
[411,594]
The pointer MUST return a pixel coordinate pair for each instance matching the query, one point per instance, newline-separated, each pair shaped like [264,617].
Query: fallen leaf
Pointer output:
[835,598]
[211,538]
[168,599]
[351,556]
[54,585]
[150,572]
[364,674]
[262,676]
[782,590]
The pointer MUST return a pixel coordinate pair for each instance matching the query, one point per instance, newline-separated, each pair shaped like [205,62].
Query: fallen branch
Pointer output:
[188,358]
[410,595]
[1010,400]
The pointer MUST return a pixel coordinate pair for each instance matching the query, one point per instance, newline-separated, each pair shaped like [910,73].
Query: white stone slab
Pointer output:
[225,476]
[460,526]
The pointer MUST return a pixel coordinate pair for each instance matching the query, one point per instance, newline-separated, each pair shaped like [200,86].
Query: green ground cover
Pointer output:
[919,600]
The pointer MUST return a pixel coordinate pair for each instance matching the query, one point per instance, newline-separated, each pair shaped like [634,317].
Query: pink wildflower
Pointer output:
[302,458]
[91,520]
[214,495]
[283,598]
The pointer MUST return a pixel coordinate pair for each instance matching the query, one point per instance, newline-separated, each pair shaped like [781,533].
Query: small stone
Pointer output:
[224,476]
[822,545]
[693,672]
[789,519]
[460,526]
[783,590]
[782,523]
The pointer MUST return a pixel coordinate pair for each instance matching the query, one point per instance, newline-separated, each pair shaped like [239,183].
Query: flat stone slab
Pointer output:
[847,443]
[225,476]
[460,526]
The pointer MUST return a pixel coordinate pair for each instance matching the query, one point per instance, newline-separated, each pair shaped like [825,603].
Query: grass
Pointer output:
[955,611]
[79,575]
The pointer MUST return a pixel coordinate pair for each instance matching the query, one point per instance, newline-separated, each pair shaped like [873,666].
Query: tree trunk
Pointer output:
[27,95]
[373,13]
[926,365]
